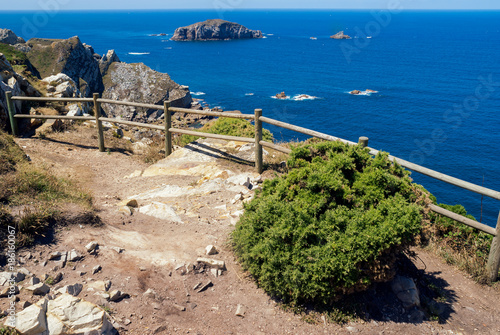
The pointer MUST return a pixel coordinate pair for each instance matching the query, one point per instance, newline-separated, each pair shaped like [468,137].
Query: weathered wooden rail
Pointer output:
[494,256]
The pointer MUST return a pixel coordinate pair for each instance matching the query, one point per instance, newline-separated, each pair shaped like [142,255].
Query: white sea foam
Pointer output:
[365,93]
[300,97]
[138,53]
[198,93]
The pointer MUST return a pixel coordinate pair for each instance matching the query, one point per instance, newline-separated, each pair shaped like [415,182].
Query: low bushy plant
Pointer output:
[333,225]
[227,126]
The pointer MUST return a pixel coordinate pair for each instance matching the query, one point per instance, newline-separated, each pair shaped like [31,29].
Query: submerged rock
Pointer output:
[211,30]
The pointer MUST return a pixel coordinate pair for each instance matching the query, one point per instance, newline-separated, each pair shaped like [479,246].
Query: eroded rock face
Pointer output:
[70,57]
[139,83]
[7,36]
[15,83]
[211,30]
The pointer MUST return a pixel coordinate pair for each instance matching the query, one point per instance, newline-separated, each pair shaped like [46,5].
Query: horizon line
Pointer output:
[249,9]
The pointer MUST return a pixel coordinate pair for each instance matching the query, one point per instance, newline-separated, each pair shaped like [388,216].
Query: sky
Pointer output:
[50,5]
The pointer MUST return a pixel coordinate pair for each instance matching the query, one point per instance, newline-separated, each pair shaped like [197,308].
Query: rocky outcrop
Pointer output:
[7,36]
[139,83]
[106,60]
[64,315]
[15,83]
[281,95]
[70,57]
[340,36]
[212,30]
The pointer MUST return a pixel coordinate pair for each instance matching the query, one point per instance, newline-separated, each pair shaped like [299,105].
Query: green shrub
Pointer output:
[227,126]
[332,226]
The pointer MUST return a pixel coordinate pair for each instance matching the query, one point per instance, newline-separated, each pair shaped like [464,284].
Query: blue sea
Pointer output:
[436,73]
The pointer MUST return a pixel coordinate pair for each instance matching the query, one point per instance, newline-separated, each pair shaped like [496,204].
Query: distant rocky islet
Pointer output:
[214,30]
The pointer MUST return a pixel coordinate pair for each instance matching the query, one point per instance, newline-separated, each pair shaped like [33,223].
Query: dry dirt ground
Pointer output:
[157,251]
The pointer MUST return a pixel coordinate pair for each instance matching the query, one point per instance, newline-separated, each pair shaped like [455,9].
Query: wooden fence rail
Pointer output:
[493,264]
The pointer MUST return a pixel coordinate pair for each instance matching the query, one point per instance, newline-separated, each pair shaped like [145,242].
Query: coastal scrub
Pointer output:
[332,226]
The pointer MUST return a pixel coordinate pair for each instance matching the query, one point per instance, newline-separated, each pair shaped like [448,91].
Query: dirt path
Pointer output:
[140,252]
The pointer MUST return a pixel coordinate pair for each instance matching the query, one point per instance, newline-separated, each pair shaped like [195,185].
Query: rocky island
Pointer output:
[340,36]
[214,30]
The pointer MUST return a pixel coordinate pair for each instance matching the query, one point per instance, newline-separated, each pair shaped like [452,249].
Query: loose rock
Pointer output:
[92,246]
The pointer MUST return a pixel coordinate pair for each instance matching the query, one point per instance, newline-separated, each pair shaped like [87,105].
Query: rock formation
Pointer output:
[340,36]
[70,57]
[71,68]
[281,95]
[212,30]
[139,83]
[106,60]
[17,84]
[7,36]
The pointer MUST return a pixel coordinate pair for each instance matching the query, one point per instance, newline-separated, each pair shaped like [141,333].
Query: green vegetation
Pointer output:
[35,194]
[14,56]
[5,330]
[332,226]
[458,244]
[227,126]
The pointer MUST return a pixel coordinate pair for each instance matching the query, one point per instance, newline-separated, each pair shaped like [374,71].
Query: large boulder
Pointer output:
[211,30]
[7,36]
[70,57]
[139,83]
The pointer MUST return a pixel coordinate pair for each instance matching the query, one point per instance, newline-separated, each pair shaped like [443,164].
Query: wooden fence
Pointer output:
[493,264]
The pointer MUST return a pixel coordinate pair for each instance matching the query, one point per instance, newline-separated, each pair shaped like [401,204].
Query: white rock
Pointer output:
[115,295]
[31,320]
[73,256]
[91,246]
[160,211]
[71,315]
[74,110]
[240,310]
[237,198]
[126,210]
[211,250]
[100,285]
[212,262]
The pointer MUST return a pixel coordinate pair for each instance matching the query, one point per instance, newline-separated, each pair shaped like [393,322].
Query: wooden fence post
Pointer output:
[494,257]
[168,125]
[363,141]
[258,138]
[97,113]
[12,112]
